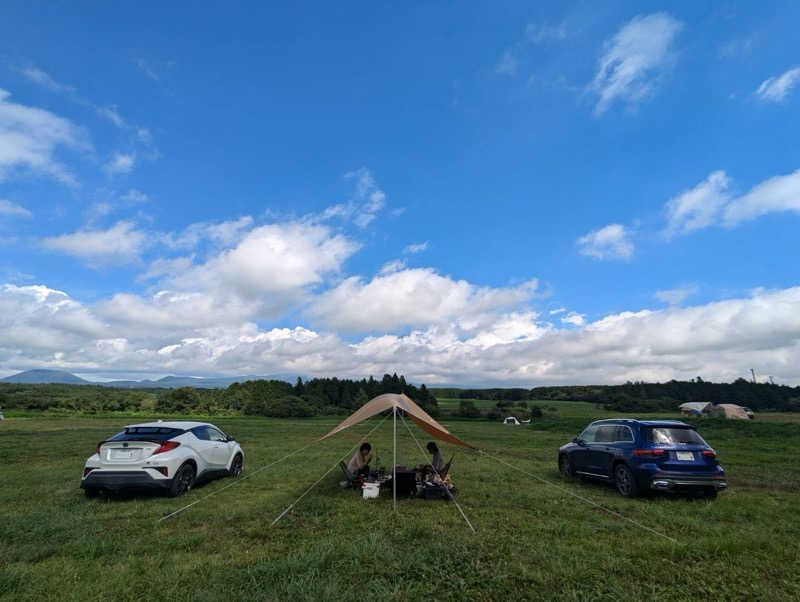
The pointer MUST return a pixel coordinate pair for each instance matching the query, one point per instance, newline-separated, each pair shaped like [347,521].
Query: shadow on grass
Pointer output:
[129,494]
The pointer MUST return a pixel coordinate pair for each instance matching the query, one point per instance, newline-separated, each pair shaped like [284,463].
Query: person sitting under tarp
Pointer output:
[437,461]
[437,471]
[359,463]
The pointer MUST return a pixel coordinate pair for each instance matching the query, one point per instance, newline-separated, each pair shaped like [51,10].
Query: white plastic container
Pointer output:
[370,490]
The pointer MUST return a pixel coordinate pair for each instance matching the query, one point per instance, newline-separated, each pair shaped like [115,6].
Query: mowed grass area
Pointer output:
[533,540]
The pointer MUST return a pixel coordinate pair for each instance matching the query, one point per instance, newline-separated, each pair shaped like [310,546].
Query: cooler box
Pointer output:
[370,490]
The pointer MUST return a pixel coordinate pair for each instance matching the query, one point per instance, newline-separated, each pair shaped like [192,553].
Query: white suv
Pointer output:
[162,455]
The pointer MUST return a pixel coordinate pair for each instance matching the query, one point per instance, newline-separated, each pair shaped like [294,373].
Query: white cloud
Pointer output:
[134,197]
[392,266]
[221,233]
[776,194]
[120,163]
[709,203]
[13,209]
[610,242]
[148,69]
[161,267]
[410,297]
[369,199]
[698,207]
[416,247]
[37,321]
[112,114]
[186,333]
[29,138]
[775,89]
[122,243]
[634,60]
[560,310]
[676,296]
[538,33]
[507,65]
[574,318]
[274,262]
[42,78]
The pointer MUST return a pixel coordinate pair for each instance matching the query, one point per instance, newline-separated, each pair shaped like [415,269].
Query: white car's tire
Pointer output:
[183,481]
[236,466]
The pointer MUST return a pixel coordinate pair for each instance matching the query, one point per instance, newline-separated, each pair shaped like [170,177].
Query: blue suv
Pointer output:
[643,455]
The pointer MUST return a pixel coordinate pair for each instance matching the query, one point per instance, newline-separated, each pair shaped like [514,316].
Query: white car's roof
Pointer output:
[171,425]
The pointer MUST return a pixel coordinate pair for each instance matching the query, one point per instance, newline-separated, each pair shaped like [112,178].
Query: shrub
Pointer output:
[290,407]
[467,409]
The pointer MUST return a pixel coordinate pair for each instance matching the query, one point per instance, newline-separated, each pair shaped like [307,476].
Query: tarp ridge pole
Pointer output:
[447,489]
[394,458]
[327,472]
[580,497]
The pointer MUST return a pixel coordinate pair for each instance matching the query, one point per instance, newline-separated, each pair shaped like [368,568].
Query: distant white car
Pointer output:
[162,455]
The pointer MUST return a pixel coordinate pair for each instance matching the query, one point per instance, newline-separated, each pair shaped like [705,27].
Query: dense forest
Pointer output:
[256,397]
[641,396]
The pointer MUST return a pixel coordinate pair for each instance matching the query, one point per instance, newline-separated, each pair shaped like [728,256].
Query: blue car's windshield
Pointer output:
[661,435]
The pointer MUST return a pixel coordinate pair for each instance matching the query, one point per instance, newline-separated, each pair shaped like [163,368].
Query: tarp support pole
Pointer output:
[394,459]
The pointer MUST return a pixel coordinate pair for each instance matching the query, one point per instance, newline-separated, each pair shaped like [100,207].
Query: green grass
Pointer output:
[533,541]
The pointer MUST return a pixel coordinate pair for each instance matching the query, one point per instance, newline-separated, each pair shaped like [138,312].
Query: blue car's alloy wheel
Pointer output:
[625,481]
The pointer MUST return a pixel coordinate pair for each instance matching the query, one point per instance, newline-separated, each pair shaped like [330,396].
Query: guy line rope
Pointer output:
[580,497]
[438,475]
[247,476]
[327,472]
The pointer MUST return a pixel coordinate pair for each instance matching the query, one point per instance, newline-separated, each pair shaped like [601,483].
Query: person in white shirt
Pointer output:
[359,463]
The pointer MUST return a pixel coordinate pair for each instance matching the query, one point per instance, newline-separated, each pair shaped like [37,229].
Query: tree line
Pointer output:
[642,396]
[323,396]
[275,398]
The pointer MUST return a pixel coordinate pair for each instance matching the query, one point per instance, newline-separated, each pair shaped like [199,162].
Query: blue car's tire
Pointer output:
[565,467]
[625,481]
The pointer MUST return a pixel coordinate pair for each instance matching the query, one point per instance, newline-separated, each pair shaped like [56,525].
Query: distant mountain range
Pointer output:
[168,382]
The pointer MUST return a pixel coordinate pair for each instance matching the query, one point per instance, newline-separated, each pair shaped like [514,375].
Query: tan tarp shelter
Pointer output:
[393,402]
[387,401]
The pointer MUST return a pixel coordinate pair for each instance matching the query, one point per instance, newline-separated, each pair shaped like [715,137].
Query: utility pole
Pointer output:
[753,372]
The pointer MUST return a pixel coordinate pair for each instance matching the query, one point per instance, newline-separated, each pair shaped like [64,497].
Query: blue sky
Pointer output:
[474,193]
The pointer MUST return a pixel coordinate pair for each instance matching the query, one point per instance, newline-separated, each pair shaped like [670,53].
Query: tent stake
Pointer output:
[394,459]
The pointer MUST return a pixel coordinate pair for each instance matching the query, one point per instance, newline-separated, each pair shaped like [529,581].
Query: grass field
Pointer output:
[533,541]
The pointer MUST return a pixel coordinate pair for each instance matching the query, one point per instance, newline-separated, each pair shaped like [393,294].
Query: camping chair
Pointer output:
[446,470]
[353,481]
